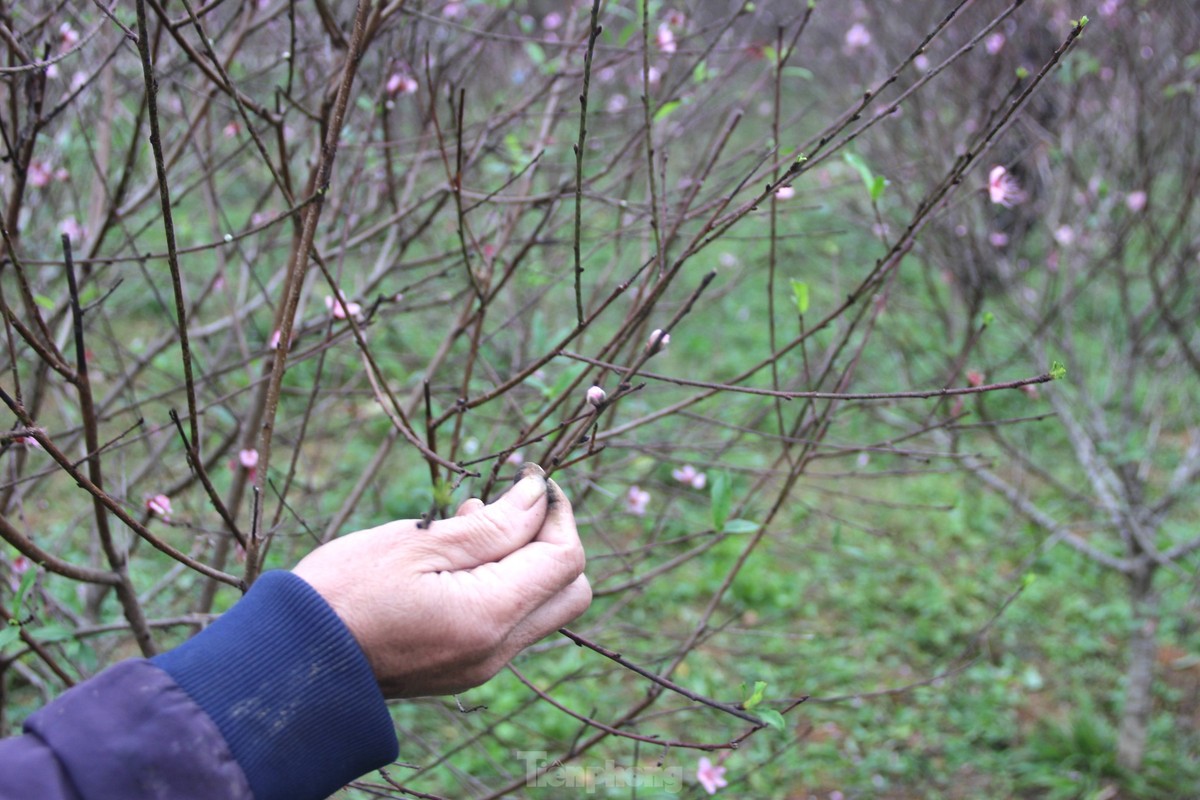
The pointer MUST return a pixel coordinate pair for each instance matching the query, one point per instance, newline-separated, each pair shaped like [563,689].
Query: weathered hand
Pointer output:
[441,609]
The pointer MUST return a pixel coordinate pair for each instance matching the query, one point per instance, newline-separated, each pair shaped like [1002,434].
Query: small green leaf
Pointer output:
[798,72]
[44,302]
[800,293]
[1057,371]
[1027,580]
[756,697]
[23,590]
[874,183]
[722,500]
[9,633]
[665,109]
[740,526]
[988,318]
[443,493]
[1022,73]
[773,719]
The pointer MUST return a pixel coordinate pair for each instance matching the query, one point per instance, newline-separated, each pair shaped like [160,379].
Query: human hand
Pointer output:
[440,609]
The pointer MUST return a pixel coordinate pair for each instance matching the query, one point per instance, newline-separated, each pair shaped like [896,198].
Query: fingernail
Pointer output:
[527,469]
[528,490]
[552,494]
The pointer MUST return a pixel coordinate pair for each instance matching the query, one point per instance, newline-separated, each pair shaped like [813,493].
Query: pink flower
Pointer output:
[596,396]
[247,460]
[690,475]
[1064,235]
[658,340]
[1031,391]
[676,19]
[1135,201]
[340,308]
[857,38]
[636,500]
[231,130]
[21,565]
[552,21]
[665,39]
[994,42]
[1003,189]
[998,238]
[974,378]
[401,83]
[273,342]
[68,35]
[160,504]
[28,442]
[71,227]
[452,10]
[711,776]
[516,457]
[39,173]
[785,192]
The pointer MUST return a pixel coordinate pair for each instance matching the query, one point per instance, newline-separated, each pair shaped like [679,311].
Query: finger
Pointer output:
[562,609]
[488,533]
[469,506]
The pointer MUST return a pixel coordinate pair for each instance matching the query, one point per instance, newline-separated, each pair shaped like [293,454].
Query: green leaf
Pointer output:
[8,634]
[535,52]
[800,293]
[26,582]
[1057,371]
[722,500]
[665,109]
[988,318]
[773,719]
[740,526]
[44,302]
[756,697]
[874,183]
[798,72]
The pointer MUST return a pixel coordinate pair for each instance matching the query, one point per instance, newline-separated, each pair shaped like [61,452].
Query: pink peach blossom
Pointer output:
[160,504]
[711,776]
[1003,189]
[690,475]
[636,500]
[340,308]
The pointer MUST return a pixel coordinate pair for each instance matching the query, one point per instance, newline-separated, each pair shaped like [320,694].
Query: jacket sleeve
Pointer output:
[273,701]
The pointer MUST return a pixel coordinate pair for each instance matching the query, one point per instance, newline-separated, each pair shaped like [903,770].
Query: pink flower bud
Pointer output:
[248,459]
[658,341]
[596,396]
[160,504]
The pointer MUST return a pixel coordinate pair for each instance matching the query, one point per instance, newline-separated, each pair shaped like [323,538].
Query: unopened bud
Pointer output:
[658,340]
[596,396]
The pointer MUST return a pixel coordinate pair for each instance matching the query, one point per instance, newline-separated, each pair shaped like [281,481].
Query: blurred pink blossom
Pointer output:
[1135,201]
[636,500]
[665,39]
[552,21]
[28,442]
[515,457]
[675,18]
[690,475]
[974,378]
[39,173]
[231,130]
[68,36]
[998,238]
[857,37]
[711,776]
[1003,189]
[1064,235]
[248,459]
[340,308]
[452,10]
[401,83]
[994,42]
[71,227]
[160,504]
[21,565]
[785,192]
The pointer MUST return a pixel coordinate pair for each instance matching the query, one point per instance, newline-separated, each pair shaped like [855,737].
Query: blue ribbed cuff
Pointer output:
[290,690]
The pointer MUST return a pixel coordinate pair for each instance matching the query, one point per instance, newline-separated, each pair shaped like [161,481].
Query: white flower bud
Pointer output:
[596,396]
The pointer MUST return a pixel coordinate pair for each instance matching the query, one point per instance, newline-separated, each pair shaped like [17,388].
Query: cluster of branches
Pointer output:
[269,274]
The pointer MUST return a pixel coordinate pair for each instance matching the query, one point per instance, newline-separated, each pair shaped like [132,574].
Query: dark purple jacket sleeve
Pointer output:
[273,701]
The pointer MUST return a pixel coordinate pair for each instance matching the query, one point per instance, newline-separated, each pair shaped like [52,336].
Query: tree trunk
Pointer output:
[1139,676]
